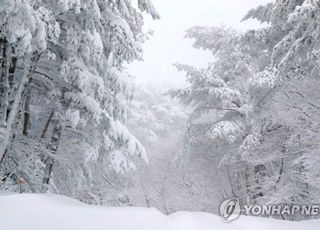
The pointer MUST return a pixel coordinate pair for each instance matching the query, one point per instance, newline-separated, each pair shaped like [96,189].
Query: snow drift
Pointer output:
[53,212]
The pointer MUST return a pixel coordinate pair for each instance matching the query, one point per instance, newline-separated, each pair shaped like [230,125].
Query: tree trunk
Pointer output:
[26,115]
[44,132]
[5,64]
[46,127]
[248,186]
[55,139]
[20,95]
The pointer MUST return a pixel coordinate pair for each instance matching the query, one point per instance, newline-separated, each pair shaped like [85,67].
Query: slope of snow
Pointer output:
[53,212]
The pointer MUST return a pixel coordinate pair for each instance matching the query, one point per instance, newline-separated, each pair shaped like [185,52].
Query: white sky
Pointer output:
[168,46]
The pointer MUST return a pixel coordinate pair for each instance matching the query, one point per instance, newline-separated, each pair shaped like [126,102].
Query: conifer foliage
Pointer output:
[64,92]
[255,106]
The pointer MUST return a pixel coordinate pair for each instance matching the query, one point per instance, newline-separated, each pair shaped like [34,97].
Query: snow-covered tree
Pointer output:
[27,30]
[221,127]
[290,104]
[255,105]
[65,91]
[159,122]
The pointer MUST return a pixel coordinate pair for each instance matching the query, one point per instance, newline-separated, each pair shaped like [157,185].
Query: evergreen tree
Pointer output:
[65,91]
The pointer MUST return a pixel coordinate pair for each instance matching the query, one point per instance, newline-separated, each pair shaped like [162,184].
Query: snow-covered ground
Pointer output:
[53,212]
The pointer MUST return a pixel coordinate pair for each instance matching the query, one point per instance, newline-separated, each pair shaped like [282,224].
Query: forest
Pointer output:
[75,122]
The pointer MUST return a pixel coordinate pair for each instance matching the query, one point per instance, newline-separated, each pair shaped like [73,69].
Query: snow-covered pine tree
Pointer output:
[266,111]
[221,130]
[78,94]
[27,28]
[290,106]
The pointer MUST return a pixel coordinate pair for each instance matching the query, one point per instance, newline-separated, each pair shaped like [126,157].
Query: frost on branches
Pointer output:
[64,93]
[255,107]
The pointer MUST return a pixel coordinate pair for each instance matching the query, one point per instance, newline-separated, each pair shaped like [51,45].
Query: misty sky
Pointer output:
[168,46]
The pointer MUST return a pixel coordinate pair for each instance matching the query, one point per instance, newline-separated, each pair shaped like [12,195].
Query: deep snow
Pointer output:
[53,212]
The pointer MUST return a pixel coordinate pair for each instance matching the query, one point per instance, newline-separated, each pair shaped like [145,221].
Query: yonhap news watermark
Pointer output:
[231,209]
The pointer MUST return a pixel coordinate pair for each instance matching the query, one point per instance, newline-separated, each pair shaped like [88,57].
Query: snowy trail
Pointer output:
[53,212]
